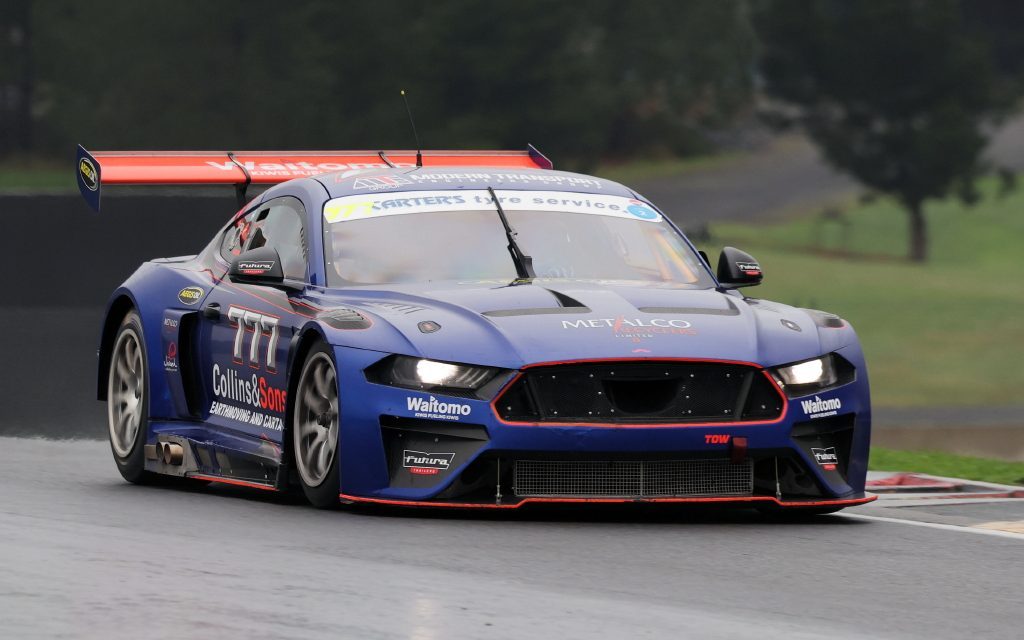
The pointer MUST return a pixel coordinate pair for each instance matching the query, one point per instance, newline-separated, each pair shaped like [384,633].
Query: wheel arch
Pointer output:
[302,341]
[120,306]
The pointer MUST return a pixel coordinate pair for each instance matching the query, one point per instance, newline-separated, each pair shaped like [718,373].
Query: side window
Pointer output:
[278,224]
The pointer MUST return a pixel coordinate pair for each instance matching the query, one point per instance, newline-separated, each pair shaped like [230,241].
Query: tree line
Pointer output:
[899,93]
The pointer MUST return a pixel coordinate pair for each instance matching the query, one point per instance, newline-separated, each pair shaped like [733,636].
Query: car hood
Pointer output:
[513,325]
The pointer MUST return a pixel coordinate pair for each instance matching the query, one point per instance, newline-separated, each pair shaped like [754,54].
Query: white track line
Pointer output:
[936,525]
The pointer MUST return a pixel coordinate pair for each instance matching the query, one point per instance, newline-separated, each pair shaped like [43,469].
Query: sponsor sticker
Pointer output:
[818,408]
[255,267]
[90,177]
[641,210]
[749,268]
[426,464]
[498,178]
[293,169]
[438,410]
[380,182]
[253,393]
[635,329]
[370,205]
[171,357]
[190,295]
[826,457]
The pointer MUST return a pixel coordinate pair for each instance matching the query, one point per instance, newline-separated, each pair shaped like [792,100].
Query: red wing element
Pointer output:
[266,167]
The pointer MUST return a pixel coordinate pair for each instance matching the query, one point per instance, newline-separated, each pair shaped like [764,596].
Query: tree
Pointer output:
[899,93]
[16,77]
[583,79]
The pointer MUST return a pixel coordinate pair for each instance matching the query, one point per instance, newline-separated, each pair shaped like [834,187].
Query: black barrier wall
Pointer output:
[61,253]
[59,263]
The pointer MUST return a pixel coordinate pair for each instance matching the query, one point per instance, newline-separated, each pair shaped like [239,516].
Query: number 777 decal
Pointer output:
[246,320]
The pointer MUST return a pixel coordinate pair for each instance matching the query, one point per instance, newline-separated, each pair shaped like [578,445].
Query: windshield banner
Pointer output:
[362,207]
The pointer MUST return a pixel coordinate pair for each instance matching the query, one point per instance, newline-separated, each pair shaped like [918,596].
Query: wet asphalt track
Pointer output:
[85,555]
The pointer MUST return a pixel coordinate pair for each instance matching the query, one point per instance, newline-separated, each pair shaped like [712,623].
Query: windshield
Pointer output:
[457,235]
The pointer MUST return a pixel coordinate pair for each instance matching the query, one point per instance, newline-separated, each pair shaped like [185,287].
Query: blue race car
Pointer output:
[467,329]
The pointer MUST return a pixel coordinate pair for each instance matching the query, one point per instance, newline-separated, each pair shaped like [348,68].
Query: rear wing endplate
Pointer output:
[242,168]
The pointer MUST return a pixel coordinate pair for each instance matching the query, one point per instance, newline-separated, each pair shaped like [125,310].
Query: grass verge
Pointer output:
[950,465]
[36,175]
[948,332]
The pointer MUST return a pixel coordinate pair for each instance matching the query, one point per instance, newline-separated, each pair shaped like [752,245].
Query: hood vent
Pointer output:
[566,305]
[345,319]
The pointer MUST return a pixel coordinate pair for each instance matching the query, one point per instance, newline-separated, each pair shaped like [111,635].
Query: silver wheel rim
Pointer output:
[315,426]
[125,390]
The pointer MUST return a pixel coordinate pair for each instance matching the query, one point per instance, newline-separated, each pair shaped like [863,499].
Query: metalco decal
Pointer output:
[635,329]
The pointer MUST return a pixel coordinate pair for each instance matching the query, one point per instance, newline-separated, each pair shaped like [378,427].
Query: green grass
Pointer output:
[949,332]
[36,175]
[949,465]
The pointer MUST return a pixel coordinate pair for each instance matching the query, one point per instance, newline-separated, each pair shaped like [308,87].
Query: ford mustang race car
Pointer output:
[467,329]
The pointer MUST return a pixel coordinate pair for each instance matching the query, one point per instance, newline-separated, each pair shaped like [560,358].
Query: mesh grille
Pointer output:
[641,392]
[632,478]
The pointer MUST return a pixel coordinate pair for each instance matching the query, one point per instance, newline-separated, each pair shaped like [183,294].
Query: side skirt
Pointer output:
[192,450]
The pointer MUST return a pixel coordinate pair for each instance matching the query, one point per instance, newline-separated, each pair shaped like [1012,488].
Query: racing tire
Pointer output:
[315,428]
[128,400]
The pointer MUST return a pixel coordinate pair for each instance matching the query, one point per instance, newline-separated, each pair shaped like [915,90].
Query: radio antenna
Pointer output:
[419,152]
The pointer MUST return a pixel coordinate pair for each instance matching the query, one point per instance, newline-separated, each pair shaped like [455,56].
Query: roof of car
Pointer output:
[345,183]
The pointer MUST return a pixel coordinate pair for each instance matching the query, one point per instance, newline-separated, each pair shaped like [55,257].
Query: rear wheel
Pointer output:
[315,424]
[128,400]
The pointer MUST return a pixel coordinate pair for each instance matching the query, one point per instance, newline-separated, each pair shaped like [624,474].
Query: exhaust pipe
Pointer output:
[171,452]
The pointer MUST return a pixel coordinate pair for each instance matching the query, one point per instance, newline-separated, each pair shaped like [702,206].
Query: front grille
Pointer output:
[632,478]
[641,392]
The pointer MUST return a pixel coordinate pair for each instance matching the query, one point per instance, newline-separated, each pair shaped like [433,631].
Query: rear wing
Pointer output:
[242,168]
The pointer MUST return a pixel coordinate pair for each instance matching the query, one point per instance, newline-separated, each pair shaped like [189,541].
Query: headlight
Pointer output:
[808,376]
[434,376]
[421,373]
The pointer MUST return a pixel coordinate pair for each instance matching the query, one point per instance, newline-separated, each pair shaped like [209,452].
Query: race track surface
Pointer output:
[86,555]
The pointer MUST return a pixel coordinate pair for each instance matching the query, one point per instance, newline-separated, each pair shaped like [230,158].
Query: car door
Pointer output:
[246,329]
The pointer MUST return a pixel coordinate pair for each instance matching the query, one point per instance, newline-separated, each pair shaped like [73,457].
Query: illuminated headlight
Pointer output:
[418,372]
[432,375]
[807,376]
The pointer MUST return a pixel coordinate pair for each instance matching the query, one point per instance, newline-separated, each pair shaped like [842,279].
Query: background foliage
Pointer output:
[581,79]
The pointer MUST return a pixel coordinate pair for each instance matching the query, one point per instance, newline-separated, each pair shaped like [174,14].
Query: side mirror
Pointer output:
[257,266]
[738,269]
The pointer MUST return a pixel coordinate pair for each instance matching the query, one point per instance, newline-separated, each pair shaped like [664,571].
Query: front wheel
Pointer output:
[128,400]
[315,428]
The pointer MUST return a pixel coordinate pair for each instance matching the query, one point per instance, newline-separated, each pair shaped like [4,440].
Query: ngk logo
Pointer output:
[716,438]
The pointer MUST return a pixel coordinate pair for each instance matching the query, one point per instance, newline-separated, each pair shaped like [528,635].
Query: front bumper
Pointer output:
[409,448]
